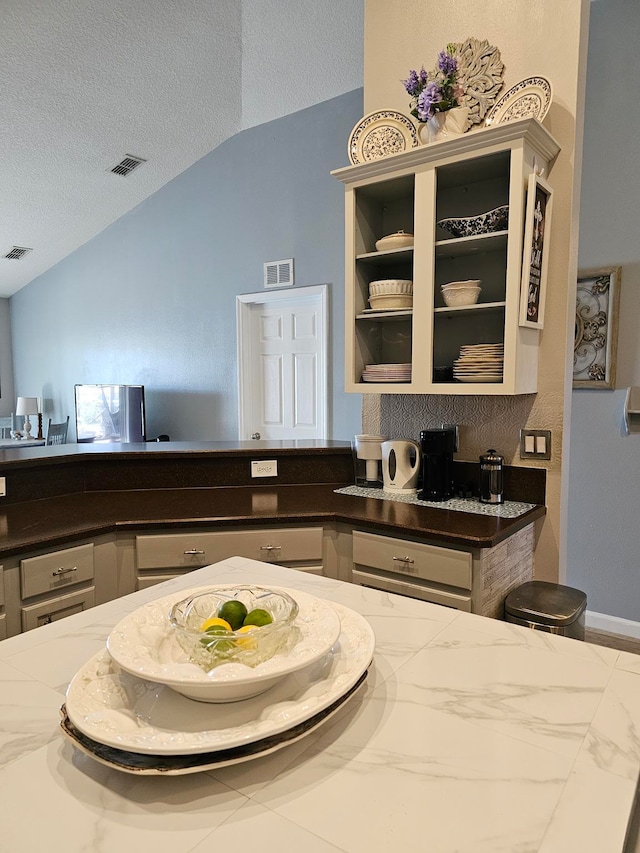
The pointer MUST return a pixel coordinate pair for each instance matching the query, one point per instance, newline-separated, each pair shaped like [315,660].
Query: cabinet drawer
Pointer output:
[200,549]
[51,572]
[414,559]
[413,590]
[57,608]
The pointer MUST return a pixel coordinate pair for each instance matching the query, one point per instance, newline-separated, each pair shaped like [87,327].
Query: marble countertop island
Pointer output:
[469,734]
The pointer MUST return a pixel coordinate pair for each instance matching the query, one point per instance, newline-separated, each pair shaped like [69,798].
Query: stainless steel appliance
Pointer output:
[437,464]
[491,478]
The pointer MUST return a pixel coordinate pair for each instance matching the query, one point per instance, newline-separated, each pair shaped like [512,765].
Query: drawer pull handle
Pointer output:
[403,560]
[193,551]
[63,571]
[271,547]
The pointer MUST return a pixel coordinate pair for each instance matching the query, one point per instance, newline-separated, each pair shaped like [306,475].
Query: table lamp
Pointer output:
[27,406]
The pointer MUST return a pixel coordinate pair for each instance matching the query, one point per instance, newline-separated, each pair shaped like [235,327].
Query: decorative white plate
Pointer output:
[144,644]
[530,98]
[380,134]
[119,710]
[472,377]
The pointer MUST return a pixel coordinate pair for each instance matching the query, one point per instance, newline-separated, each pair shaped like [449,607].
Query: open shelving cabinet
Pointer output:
[463,176]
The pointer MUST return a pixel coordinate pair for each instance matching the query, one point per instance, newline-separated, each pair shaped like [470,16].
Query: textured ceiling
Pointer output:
[86,82]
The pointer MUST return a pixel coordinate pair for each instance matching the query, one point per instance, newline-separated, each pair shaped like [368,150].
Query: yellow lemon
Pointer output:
[247,642]
[215,622]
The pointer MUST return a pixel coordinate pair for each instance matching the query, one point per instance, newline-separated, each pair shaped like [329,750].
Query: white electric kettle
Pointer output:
[400,466]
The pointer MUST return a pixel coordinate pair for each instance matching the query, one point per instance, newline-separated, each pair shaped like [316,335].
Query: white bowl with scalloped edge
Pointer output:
[144,644]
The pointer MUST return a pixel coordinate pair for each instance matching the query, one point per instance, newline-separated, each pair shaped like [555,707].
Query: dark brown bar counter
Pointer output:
[57,494]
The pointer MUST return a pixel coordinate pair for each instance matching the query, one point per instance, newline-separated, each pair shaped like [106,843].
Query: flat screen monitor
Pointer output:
[110,413]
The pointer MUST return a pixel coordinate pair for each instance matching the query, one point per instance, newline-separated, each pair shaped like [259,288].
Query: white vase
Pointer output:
[445,125]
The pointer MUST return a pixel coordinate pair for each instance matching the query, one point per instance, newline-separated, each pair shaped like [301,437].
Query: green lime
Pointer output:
[258,617]
[214,640]
[233,612]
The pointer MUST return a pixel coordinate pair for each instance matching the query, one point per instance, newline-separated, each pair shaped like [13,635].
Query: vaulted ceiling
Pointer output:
[88,82]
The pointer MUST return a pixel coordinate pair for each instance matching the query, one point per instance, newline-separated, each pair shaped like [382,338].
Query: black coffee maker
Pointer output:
[437,464]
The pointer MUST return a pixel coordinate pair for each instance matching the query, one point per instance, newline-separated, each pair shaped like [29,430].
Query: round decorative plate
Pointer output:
[144,644]
[117,709]
[380,134]
[530,98]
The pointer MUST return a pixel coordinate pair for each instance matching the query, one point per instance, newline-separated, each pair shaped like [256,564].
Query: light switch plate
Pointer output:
[265,468]
[535,444]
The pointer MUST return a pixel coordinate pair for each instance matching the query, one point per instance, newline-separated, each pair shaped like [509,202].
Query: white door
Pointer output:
[282,364]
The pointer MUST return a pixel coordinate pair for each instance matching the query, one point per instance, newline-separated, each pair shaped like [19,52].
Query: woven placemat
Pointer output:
[509,509]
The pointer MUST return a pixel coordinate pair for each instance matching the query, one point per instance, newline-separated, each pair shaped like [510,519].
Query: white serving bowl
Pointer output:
[391,287]
[457,285]
[398,240]
[144,644]
[461,296]
[382,303]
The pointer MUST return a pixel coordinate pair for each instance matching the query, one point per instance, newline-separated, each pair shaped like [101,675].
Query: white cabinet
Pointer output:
[461,177]
[415,569]
[165,555]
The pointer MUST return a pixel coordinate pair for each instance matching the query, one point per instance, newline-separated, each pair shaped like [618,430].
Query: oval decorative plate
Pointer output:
[530,98]
[380,134]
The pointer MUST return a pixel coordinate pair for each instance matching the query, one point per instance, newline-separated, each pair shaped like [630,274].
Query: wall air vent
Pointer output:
[127,165]
[278,273]
[16,253]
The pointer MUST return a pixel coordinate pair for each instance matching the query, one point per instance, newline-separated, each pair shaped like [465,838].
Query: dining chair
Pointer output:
[57,433]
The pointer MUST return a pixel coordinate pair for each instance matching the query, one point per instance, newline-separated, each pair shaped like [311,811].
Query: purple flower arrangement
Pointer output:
[443,92]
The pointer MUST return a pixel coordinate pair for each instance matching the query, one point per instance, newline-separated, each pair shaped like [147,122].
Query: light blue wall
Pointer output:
[604,472]
[7,400]
[151,300]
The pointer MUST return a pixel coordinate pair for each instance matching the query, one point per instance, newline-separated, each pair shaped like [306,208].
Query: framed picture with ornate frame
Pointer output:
[596,332]
[536,252]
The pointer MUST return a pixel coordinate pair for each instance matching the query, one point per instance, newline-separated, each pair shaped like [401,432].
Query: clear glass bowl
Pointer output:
[209,650]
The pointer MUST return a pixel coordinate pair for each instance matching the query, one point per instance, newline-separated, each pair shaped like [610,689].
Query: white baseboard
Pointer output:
[612,624]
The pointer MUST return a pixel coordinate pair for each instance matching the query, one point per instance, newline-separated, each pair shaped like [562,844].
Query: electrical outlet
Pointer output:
[535,444]
[3,487]
[265,468]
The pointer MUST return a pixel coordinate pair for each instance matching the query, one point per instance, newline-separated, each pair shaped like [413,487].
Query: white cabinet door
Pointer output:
[282,356]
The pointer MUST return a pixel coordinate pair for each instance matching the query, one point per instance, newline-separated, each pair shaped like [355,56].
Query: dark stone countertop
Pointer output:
[52,521]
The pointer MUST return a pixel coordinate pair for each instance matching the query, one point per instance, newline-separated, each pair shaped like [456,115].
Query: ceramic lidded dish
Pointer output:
[471,226]
[398,240]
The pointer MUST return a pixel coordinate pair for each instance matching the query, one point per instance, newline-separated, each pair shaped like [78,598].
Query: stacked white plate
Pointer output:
[479,363]
[387,373]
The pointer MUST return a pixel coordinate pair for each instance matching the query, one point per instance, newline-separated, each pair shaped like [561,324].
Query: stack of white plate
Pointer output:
[479,363]
[387,373]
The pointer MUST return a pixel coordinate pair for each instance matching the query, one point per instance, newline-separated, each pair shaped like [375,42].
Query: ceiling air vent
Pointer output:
[278,273]
[127,165]
[17,253]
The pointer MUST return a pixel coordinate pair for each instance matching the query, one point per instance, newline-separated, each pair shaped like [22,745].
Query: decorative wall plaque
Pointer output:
[596,333]
[480,73]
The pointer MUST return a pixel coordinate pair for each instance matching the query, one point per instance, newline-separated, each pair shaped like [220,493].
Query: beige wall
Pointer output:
[546,38]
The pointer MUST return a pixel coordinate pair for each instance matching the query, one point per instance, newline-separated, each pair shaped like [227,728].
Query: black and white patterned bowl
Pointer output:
[471,226]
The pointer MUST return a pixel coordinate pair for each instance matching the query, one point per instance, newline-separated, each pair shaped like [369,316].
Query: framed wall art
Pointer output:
[596,333]
[535,258]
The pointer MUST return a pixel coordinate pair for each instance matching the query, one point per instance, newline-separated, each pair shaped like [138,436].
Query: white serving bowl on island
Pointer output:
[145,644]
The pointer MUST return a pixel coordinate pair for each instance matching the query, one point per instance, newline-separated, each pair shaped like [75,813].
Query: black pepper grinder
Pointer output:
[491,488]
